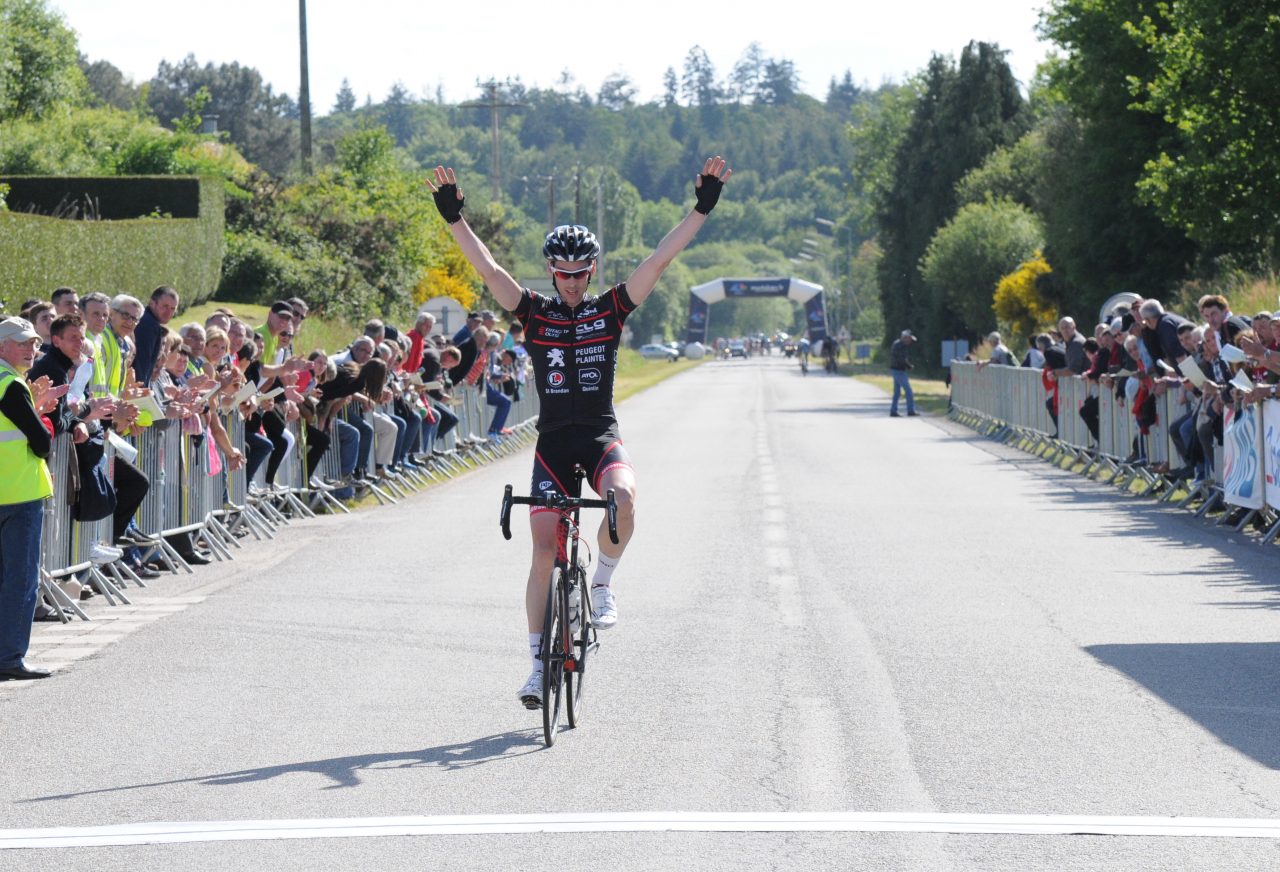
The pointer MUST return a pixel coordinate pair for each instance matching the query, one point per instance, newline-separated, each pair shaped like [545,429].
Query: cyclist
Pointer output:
[572,340]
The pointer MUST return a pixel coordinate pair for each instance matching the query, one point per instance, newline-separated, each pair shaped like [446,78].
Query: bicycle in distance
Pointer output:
[567,638]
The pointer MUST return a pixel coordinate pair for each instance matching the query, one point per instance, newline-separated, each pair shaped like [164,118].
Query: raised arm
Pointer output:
[715,173]
[449,200]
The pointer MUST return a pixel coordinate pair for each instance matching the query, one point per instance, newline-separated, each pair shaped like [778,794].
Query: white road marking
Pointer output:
[777,558]
[636,822]
[789,609]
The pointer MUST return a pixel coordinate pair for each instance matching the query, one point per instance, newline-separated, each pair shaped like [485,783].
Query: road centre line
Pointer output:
[633,822]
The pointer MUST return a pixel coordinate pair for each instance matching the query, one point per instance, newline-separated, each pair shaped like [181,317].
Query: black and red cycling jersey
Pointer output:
[574,353]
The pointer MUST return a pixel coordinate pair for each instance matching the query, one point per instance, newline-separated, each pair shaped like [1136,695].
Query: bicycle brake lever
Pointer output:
[505,519]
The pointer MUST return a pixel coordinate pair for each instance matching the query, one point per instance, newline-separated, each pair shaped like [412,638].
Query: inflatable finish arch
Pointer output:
[702,296]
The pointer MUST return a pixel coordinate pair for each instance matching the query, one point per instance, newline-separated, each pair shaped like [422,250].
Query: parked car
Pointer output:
[654,351]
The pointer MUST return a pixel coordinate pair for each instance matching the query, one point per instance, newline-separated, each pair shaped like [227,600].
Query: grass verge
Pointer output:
[931,395]
[635,373]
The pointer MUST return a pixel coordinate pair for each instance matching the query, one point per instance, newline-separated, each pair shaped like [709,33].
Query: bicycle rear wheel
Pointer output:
[579,646]
[553,656]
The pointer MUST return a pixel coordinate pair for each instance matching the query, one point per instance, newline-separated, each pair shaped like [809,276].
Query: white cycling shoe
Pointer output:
[604,611]
[531,694]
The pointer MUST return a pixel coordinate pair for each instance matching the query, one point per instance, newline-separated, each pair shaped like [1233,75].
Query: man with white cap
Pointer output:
[898,365]
[25,484]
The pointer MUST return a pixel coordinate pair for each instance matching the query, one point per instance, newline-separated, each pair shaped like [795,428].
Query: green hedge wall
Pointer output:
[133,256]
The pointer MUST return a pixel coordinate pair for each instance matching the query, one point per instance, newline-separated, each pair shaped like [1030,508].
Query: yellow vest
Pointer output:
[23,476]
[110,375]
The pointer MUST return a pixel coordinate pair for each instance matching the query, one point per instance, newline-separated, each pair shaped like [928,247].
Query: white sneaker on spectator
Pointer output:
[604,609]
[101,553]
[317,485]
[531,694]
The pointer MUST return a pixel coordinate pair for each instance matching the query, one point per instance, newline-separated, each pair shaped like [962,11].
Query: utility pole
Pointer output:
[551,200]
[577,195]
[600,221]
[493,105]
[304,90]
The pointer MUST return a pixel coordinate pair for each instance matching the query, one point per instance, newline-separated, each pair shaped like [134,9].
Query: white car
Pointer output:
[654,351]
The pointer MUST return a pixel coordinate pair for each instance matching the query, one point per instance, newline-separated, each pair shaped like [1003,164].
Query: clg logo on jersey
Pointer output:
[555,357]
[586,327]
[555,379]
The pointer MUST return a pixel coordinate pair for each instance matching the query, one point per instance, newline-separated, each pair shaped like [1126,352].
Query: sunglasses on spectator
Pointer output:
[570,273]
[125,315]
[286,335]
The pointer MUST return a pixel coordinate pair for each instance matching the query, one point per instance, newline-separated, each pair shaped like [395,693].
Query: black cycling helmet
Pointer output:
[571,242]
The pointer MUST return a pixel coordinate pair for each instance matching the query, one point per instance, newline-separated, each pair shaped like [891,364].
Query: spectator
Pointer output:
[417,339]
[1216,312]
[1160,333]
[1034,358]
[25,483]
[41,316]
[495,376]
[1073,346]
[66,301]
[1055,363]
[194,337]
[149,331]
[1000,355]
[899,365]
[220,320]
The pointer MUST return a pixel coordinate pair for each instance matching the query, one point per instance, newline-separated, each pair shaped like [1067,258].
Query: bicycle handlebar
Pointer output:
[560,504]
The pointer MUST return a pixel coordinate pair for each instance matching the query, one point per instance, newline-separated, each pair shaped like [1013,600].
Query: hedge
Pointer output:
[130,255]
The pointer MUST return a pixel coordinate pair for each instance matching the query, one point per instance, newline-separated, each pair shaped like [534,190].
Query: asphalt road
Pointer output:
[824,610]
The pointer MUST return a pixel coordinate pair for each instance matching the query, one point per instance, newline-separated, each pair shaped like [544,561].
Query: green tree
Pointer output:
[971,253]
[963,113]
[1214,81]
[108,86]
[39,60]
[843,96]
[397,113]
[261,123]
[698,84]
[346,99]
[780,83]
[1099,237]
[617,92]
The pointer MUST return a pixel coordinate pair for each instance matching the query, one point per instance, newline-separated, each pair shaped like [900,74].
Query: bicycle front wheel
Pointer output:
[578,645]
[553,655]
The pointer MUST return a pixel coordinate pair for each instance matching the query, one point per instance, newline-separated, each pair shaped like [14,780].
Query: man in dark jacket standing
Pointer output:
[898,365]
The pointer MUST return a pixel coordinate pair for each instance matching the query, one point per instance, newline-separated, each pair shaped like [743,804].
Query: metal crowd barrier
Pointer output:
[193,491]
[1007,403]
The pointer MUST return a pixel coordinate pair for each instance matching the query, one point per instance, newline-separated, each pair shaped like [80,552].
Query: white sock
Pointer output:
[605,565]
[535,650]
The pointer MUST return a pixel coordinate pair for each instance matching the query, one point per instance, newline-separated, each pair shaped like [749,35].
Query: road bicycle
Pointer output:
[567,638]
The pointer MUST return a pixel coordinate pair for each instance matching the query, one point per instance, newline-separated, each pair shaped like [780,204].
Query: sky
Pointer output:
[430,49]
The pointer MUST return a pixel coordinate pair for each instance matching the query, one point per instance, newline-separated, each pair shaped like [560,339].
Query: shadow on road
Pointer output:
[1224,687]
[346,771]
[878,408]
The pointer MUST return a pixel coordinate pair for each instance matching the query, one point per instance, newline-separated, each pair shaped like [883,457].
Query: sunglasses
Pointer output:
[286,335]
[567,274]
[126,316]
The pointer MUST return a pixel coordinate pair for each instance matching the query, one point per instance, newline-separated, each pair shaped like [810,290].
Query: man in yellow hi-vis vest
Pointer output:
[24,486]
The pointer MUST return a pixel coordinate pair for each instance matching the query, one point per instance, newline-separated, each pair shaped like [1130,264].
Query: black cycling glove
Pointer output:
[449,203]
[708,193]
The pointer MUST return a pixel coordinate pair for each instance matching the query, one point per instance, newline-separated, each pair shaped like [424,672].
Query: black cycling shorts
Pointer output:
[596,450]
